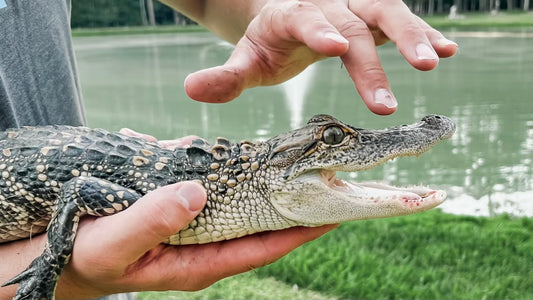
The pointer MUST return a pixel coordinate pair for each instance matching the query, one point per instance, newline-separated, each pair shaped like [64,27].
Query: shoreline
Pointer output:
[470,21]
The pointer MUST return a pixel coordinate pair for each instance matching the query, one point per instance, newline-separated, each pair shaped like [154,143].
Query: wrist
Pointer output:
[226,18]
[16,256]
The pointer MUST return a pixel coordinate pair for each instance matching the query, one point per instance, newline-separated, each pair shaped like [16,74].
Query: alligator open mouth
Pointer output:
[380,192]
[311,194]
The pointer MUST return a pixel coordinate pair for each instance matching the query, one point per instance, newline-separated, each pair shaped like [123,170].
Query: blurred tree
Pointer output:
[102,13]
[150,11]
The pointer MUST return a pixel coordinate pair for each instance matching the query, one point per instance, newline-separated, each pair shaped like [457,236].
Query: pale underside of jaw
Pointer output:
[381,192]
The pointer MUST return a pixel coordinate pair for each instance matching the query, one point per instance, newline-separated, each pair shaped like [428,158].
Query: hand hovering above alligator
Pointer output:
[52,176]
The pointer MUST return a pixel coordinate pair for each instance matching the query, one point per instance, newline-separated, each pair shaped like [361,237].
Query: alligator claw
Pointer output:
[61,173]
[38,281]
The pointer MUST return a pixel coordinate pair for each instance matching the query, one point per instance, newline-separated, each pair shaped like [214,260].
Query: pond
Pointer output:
[487,89]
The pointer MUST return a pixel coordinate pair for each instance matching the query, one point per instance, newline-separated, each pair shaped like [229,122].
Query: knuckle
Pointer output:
[432,33]
[411,29]
[294,8]
[303,5]
[372,71]
[354,28]
[166,223]
[298,10]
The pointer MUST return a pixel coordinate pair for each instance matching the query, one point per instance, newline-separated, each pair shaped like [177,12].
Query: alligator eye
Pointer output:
[332,135]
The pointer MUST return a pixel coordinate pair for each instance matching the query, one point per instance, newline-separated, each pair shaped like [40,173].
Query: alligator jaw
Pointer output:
[413,197]
[318,197]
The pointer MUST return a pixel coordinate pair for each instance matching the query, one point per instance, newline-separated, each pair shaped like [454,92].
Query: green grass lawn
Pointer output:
[244,286]
[426,256]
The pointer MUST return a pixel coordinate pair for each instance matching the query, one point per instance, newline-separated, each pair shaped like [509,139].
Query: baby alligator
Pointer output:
[51,176]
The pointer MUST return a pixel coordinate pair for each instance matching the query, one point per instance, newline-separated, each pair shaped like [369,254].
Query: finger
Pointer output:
[266,57]
[216,85]
[404,29]
[244,254]
[151,220]
[318,33]
[183,142]
[443,46]
[224,83]
[362,61]
[247,67]
[130,132]
[363,65]
[267,247]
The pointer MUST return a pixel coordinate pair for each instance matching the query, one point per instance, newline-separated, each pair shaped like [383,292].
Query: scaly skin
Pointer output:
[51,176]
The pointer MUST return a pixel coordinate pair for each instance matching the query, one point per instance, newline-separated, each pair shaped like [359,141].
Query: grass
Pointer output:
[483,20]
[244,286]
[425,256]
[79,32]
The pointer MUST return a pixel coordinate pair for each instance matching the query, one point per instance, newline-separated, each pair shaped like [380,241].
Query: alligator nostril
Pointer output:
[443,123]
[433,120]
[429,120]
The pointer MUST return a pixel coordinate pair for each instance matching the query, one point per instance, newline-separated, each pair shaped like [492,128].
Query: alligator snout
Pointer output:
[442,123]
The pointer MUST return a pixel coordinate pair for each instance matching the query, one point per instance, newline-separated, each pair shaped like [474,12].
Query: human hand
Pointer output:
[288,35]
[169,144]
[130,256]
[123,252]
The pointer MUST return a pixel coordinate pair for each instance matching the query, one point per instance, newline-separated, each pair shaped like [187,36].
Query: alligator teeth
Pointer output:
[328,175]
[378,190]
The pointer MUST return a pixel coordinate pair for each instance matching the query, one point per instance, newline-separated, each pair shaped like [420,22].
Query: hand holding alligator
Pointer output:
[146,264]
[287,36]
[108,267]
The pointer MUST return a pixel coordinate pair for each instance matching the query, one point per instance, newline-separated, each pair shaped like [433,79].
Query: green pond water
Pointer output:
[487,88]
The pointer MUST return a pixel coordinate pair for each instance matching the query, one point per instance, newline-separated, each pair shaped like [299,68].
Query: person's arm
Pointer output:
[283,37]
[123,252]
[226,18]
[16,256]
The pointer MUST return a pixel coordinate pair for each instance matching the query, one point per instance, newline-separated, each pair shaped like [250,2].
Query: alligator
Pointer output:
[51,176]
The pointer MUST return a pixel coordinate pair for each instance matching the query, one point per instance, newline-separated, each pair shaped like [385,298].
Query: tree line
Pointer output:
[430,7]
[104,13]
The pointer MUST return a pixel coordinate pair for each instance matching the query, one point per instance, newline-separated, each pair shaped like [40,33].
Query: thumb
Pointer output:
[151,220]
[224,83]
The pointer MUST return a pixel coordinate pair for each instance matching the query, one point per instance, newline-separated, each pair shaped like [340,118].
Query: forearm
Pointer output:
[226,18]
[15,257]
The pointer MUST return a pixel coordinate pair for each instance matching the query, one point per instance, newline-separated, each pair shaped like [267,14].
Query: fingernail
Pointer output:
[335,37]
[424,52]
[382,96]
[128,131]
[447,42]
[186,78]
[192,196]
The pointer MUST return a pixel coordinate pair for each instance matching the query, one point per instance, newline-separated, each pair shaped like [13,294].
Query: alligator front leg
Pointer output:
[79,196]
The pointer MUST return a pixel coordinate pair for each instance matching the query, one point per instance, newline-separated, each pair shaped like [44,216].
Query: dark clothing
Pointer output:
[38,79]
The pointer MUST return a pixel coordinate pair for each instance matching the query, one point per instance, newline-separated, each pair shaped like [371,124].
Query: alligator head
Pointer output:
[307,191]
[289,180]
